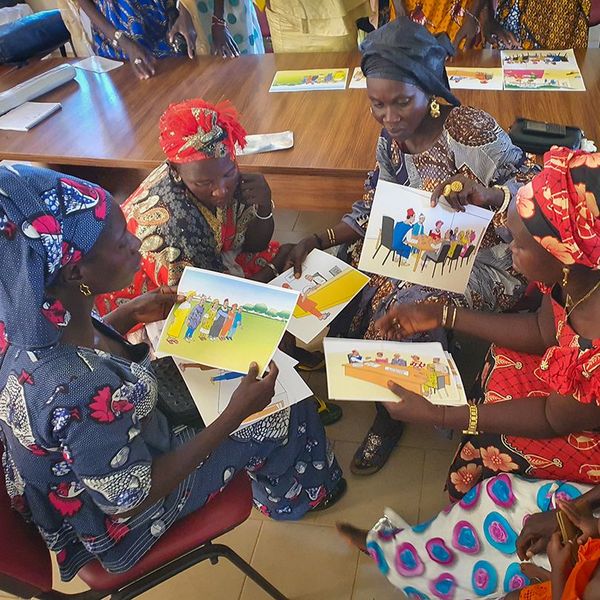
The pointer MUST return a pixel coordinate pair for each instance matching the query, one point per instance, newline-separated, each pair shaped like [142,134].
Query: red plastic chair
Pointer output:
[26,569]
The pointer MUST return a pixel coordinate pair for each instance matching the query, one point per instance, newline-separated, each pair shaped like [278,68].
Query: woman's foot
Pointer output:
[374,451]
[329,413]
[336,494]
[353,535]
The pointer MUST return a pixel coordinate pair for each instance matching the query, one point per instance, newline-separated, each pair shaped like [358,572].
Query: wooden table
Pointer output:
[110,121]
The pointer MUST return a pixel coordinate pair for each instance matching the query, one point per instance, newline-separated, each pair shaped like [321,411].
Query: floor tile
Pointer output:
[427,437]
[212,582]
[397,485]
[288,237]
[316,222]
[285,218]
[370,584]
[318,384]
[305,562]
[433,497]
[355,422]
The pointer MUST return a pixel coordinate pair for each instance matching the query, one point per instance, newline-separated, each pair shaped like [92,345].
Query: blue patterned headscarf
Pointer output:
[47,220]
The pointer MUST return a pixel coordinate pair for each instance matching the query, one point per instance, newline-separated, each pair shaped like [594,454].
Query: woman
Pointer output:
[551,373]
[531,24]
[196,209]
[219,321]
[87,455]
[422,145]
[143,31]
[537,413]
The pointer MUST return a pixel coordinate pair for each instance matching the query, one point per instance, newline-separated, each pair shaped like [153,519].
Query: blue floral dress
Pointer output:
[81,430]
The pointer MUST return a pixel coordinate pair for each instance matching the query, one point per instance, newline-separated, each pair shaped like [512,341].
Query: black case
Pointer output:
[174,398]
[538,143]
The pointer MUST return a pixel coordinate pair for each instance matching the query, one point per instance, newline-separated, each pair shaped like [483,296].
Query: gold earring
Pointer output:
[566,271]
[84,289]
[175,175]
[434,108]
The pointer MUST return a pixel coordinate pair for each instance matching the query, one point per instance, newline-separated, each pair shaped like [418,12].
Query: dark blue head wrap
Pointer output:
[47,220]
[404,51]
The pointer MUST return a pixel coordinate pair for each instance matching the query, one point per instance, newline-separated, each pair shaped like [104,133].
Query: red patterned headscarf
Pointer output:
[195,130]
[560,206]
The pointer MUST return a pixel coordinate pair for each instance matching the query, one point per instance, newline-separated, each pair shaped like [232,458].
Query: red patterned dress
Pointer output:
[572,367]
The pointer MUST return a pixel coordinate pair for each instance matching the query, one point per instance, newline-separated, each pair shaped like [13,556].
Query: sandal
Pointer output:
[373,452]
[329,413]
[309,361]
[336,494]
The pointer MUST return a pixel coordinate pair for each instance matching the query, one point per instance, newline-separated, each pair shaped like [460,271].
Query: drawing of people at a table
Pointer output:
[402,230]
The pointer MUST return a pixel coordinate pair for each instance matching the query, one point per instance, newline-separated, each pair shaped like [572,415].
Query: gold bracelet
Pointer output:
[454,311]
[331,236]
[473,420]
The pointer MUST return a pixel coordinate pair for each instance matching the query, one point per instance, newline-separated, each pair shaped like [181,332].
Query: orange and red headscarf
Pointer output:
[560,206]
[195,130]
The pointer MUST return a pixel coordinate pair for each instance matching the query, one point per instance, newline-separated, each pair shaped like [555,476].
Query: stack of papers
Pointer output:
[28,115]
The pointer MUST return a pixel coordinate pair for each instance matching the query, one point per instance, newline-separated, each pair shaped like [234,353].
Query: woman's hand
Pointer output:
[184,26]
[580,514]
[254,189]
[459,191]
[559,556]
[412,408]
[536,534]
[281,258]
[154,306]
[468,33]
[299,253]
[404,320]
[252,395]
[223,43]
[497,36]
[143,63]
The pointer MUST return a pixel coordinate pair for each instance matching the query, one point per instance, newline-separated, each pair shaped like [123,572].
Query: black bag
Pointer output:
[174,398]
[540,142]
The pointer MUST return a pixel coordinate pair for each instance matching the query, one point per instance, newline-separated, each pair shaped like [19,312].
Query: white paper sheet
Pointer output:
[98,64]
[28,115]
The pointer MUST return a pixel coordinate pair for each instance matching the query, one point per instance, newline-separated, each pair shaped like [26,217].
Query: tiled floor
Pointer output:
[307,560]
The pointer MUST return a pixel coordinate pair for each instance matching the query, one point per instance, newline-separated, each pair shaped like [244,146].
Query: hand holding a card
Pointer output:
[402,321]
[413,408]
[460,191]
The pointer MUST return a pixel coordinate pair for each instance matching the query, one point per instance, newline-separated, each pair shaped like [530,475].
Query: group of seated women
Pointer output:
[92,461]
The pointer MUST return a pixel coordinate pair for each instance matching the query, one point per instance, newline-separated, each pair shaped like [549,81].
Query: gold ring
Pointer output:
[456,186]
[447,190]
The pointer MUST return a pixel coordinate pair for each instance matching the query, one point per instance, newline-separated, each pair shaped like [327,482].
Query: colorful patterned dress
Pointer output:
[471,144]
[572,367]
[176,231]
[547,25]
[469,549]
[81,430]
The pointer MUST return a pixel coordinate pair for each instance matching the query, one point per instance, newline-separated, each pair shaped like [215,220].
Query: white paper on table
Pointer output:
[539,59]
[212,397]
[266,142]
[402,241]
[475,78]
[98,64]
[326,287]
[361,369]
[28,115]
[358,80]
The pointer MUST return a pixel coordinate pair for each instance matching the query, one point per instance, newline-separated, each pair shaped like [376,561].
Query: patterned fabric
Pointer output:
[403,50]
[195,130]
[47,220]
[147,22]
[474,145]
[555,25]
[569,368]
[469,549]
[559,207]
[176,231]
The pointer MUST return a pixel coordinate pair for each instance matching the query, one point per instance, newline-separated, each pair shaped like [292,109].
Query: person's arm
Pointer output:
[532,333]
[170,469]
[223,43]
[141,60]
[592,589]
[254,190]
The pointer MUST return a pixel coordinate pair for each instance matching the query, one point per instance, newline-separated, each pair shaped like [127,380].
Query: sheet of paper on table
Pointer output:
[543,80]
[326,287]
[308,80]
[98,64]
[28,115]
[361,369]
[225,321]
[564,60]
[475,78]
[266,142]
[212,389]
[358,80]
[407,239]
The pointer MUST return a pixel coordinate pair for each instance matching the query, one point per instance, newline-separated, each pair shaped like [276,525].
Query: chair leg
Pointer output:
[387,256]
[63,51]
[376,251]
[423,263]
[243,566]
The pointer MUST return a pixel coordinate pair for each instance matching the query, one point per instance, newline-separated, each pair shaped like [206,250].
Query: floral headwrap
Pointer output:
[47,220]
[560,206]
[194,130]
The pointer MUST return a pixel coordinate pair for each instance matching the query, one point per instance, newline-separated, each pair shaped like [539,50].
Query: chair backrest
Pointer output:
[387,231]
[456,252]
[469,251]
[443,253]
[25,566]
